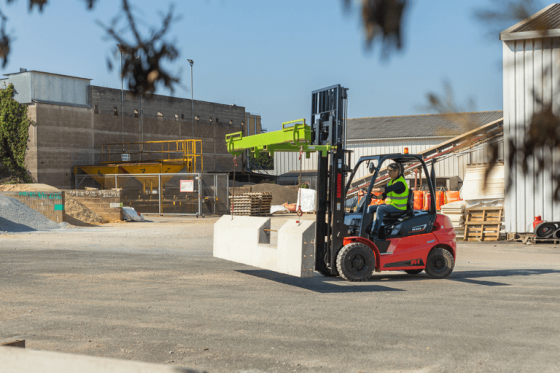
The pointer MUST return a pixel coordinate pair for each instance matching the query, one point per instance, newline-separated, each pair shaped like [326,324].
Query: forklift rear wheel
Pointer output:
[440,263]
[355,262]
[413,271]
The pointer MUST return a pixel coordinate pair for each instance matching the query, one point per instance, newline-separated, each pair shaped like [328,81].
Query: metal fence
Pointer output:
[167,194]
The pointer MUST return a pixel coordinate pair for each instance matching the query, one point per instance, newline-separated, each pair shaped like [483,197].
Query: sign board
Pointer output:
[186,186]
[125,157]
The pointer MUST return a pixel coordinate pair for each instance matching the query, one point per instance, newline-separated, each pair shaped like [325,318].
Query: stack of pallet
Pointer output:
[251,204]
[483,224]
[455,211]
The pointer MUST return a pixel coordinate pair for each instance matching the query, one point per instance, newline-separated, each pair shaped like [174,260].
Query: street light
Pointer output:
[192,98]
[121,49]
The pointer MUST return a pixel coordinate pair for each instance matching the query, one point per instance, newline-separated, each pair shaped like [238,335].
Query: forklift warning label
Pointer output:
[186,186]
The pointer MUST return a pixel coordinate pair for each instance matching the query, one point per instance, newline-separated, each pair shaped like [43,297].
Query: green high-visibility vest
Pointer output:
[395,199]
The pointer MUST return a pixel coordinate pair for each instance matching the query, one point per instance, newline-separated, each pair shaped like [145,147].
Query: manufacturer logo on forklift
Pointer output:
[419,228]
[339,186]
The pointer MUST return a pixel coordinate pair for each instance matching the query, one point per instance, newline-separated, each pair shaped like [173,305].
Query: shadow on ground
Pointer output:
[328,285]
[10,226]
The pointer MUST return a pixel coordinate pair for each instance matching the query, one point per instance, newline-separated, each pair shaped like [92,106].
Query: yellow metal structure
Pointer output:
[150,157]
[174,151]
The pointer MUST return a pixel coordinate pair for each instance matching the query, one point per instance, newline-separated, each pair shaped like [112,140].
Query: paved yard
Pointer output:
[153,292]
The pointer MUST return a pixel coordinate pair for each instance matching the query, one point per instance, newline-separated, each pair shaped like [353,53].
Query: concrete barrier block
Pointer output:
[243,240]
[20,360]
[238,239]
[296,248]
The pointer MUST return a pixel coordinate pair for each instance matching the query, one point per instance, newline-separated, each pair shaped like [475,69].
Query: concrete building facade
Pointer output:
[73,118]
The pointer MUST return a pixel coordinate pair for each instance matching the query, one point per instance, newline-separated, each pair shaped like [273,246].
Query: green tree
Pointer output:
[265,161]
[14,133]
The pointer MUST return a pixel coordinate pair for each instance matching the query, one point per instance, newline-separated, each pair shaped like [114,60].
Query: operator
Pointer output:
[395,195]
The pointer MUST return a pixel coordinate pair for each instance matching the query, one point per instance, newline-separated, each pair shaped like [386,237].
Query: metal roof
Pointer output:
[46,73]
[547,20]
[418,126]
[545,23]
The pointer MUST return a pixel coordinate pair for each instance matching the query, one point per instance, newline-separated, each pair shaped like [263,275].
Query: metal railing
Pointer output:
[186,151]
[166,194]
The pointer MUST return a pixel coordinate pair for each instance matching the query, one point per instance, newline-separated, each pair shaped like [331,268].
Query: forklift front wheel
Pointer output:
[440,263]
[355,262]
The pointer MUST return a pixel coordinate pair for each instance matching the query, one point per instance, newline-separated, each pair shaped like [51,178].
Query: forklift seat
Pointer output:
[392,217]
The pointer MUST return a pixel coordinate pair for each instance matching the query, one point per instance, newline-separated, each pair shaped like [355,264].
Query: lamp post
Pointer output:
[121,48]
[192,98]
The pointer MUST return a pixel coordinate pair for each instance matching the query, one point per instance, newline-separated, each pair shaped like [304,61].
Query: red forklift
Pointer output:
[411,240]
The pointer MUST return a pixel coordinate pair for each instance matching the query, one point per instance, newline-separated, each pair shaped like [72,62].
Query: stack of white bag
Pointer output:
[456,213]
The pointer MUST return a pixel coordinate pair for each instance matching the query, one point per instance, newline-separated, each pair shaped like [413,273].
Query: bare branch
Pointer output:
[144,56]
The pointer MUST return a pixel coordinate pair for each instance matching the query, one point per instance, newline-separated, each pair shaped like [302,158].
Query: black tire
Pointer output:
[440,263]
[355,262]
[544,230]
[413,271]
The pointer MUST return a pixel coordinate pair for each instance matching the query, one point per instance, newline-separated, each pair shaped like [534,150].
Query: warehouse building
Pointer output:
[386,135]
[531,63]
[73,118]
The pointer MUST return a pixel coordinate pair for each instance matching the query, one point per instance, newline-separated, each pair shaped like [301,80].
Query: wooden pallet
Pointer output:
[483,224]
[252,204]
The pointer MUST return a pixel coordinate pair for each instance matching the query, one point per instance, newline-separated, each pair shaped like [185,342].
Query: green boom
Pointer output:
[294,138]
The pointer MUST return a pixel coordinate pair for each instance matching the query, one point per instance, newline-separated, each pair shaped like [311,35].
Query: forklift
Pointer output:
[411,240]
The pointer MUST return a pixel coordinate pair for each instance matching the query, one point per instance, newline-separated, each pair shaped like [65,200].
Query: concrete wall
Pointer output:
[166,118]
[105,203]
[67,136]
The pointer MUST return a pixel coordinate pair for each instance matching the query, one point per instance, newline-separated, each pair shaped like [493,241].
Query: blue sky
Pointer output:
[269,55]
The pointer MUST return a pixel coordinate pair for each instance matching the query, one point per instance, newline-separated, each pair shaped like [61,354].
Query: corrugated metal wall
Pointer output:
[529,66]
[453,165]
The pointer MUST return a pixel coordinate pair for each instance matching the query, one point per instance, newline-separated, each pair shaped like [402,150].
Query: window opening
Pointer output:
[136,113]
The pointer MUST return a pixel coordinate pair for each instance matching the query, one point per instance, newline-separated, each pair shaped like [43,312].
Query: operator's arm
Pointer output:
[397,187]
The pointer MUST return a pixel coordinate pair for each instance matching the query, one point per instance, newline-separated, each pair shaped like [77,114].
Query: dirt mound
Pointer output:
[16,188]
[280,194]
[80,215]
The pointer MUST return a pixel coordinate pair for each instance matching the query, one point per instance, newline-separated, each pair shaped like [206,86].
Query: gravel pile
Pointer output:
[16,217]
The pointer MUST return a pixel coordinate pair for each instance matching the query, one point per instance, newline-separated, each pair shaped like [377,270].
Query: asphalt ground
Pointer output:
[153,292]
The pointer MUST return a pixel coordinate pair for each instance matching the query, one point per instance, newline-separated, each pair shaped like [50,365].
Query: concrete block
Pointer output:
[238,239]
[244,240]
[21,360]
[296,248]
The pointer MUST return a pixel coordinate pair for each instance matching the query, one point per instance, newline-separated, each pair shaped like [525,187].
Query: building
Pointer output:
[531,56]
[73,118]
[385,135]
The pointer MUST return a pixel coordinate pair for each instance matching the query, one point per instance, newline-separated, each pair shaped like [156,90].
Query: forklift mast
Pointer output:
[328,124]
[325,137]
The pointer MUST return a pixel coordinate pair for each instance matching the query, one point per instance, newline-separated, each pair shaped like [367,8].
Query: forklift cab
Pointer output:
[404,223]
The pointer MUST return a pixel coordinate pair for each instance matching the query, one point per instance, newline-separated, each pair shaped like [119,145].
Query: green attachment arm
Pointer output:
[294,136]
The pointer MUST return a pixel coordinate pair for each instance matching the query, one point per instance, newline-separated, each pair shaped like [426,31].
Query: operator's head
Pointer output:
[394,170]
